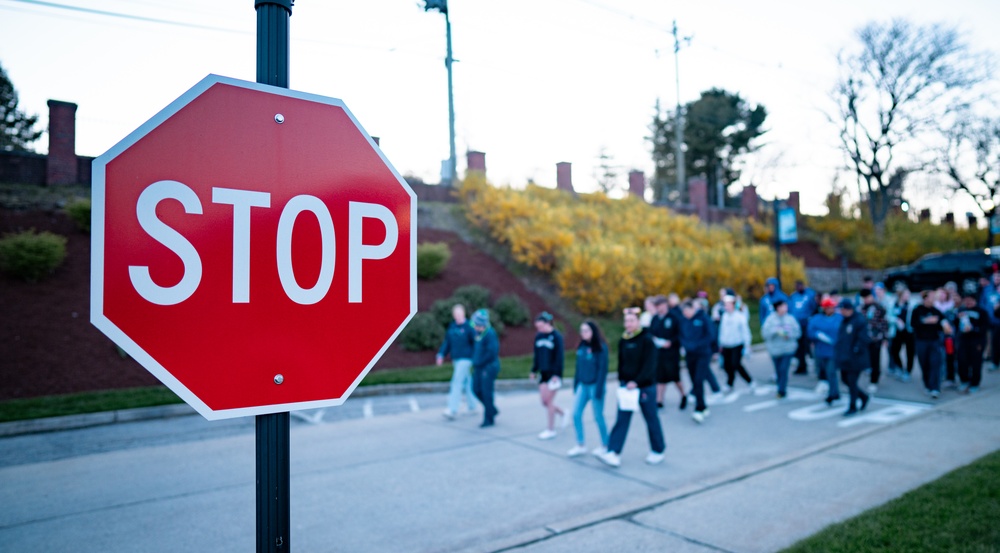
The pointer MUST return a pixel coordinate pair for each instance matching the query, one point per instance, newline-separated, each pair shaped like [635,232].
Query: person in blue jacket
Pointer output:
[772,293]
[802,305]
[697,336]
[822,329]
[458,343]
[547,370]
[589,385]
[485,364]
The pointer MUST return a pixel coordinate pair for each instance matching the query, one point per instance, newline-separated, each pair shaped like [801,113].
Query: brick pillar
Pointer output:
[564,176]
[637,184]
[748,201]
[698,192]
[61,167]
[949,219]
[475,161]
[793,201]
[970,217]
[925,214]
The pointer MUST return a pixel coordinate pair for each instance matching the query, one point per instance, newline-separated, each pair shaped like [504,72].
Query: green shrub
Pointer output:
[497,323]
[422,333]
[472,297]
[432,258]
[441,309]
[79,211]
[31,256]
[511,310]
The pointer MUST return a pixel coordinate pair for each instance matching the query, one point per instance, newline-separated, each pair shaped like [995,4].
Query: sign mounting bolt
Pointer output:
[279,118]
[278,379]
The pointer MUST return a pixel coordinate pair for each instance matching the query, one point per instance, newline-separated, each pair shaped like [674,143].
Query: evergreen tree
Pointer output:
[16,128]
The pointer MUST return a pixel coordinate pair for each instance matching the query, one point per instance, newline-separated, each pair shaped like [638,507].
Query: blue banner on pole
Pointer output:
[787,227]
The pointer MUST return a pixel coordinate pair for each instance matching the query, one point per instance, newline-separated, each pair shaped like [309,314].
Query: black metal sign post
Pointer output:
[273,521]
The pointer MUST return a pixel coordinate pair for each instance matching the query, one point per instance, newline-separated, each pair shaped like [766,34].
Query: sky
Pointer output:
[536,82]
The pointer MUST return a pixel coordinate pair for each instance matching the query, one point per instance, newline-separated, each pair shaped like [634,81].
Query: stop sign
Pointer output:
[252,248]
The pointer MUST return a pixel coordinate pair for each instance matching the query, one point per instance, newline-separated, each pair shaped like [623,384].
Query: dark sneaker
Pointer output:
[684,402]
[850,412]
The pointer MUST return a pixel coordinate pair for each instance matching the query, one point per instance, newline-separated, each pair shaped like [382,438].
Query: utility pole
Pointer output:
[442,6]
[679,120]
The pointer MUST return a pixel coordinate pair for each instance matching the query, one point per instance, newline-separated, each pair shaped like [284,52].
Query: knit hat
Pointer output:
[481,318]
[545,316]
[828,302]
[846,304]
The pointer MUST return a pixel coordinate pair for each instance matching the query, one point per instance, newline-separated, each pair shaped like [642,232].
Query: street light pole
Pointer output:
[442,6]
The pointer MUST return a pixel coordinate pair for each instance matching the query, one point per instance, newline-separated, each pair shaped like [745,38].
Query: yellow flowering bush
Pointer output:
[904,240]
[604,254]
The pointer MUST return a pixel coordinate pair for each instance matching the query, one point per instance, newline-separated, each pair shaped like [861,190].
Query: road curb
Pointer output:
[86,420]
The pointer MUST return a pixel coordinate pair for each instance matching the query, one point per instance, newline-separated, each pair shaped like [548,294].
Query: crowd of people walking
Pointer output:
[943,332]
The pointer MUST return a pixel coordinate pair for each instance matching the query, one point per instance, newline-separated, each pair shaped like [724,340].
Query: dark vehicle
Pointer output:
[935,269]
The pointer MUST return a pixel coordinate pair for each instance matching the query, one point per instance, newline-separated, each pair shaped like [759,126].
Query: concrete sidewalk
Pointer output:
[757,476]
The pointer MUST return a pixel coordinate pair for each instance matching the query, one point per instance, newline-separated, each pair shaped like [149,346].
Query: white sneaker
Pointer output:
[576,451]
[600,450]
[698,417]
[448,414]
[872,388]
[726,389]
[752,385]
[611,459]
[547,435]
[654,458]
[822,388]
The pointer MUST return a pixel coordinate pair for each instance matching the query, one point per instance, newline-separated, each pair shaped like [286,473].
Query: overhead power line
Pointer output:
[128,16]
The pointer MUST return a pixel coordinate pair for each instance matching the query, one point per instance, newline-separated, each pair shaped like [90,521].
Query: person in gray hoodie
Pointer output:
[781,337]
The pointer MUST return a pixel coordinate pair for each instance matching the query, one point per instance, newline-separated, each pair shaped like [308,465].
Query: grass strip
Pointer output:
[957,513]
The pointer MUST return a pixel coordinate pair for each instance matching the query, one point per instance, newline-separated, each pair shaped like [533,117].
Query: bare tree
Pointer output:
[971,161]
[899,83]
[607,172]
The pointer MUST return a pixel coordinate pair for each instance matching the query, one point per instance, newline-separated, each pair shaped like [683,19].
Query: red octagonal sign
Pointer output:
[252,248]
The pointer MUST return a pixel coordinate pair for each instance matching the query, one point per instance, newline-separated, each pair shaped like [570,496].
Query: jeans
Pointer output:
[647,404]
[829,370]
[461,383]
[700,371]
[482,385]
[586,393]
[781,365]
[929,355]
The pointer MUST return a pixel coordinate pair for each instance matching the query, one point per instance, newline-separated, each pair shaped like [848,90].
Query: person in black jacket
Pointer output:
[697,337]
[850,353]
[636,371]
[665,328]
[973,322]
[547,369]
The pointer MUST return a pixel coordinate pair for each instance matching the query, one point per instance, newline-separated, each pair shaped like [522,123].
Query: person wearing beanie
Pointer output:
[734,341]
[458,342]
[636,371]
[802,305]
[547,370]
[485,364]
[772,293]
[697,338]
[781,337]
[851,353]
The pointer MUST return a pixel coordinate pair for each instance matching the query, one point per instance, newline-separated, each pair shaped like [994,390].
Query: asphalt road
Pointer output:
[389,473]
